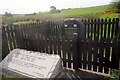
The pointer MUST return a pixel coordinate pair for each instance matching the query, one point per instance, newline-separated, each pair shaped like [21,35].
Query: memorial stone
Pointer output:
[31,64]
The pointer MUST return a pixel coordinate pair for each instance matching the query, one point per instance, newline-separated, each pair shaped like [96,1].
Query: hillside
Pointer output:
[103,11]
[83,11]
[96,11]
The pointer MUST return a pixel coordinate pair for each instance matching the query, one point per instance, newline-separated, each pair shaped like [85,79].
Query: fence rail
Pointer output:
[97,52]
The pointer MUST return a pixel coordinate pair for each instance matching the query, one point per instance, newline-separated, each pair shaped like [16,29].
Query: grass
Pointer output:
[5,77]
[113,75]
[88,12]
[83,12]
[113,15]
[78,11]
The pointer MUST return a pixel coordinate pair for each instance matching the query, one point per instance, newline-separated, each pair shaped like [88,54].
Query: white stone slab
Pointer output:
[32,64]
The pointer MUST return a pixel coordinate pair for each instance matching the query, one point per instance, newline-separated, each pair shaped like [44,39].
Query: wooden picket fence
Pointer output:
[98,51]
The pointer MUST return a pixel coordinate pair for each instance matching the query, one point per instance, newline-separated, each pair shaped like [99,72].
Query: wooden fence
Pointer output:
[97,51]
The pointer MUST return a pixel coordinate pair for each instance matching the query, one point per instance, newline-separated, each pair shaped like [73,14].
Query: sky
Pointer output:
[31,6]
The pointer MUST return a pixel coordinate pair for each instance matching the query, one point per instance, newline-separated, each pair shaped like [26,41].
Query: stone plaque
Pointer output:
[32,64]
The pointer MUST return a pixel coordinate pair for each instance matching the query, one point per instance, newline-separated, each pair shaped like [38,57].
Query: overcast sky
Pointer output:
[30,6]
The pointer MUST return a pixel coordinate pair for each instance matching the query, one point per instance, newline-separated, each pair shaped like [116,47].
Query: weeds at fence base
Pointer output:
[113,75]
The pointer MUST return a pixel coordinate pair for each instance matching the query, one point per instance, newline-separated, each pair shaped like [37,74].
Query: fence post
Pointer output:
[119,69]
[5,48]
[119,48]
[115,59]
[80,39]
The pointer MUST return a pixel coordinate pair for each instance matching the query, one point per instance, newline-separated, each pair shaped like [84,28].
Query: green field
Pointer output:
[103,11]
[84,11]
[92,11]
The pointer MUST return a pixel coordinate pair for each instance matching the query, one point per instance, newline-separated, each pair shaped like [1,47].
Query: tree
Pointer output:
[54,10]
[7,14]
[116,5]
